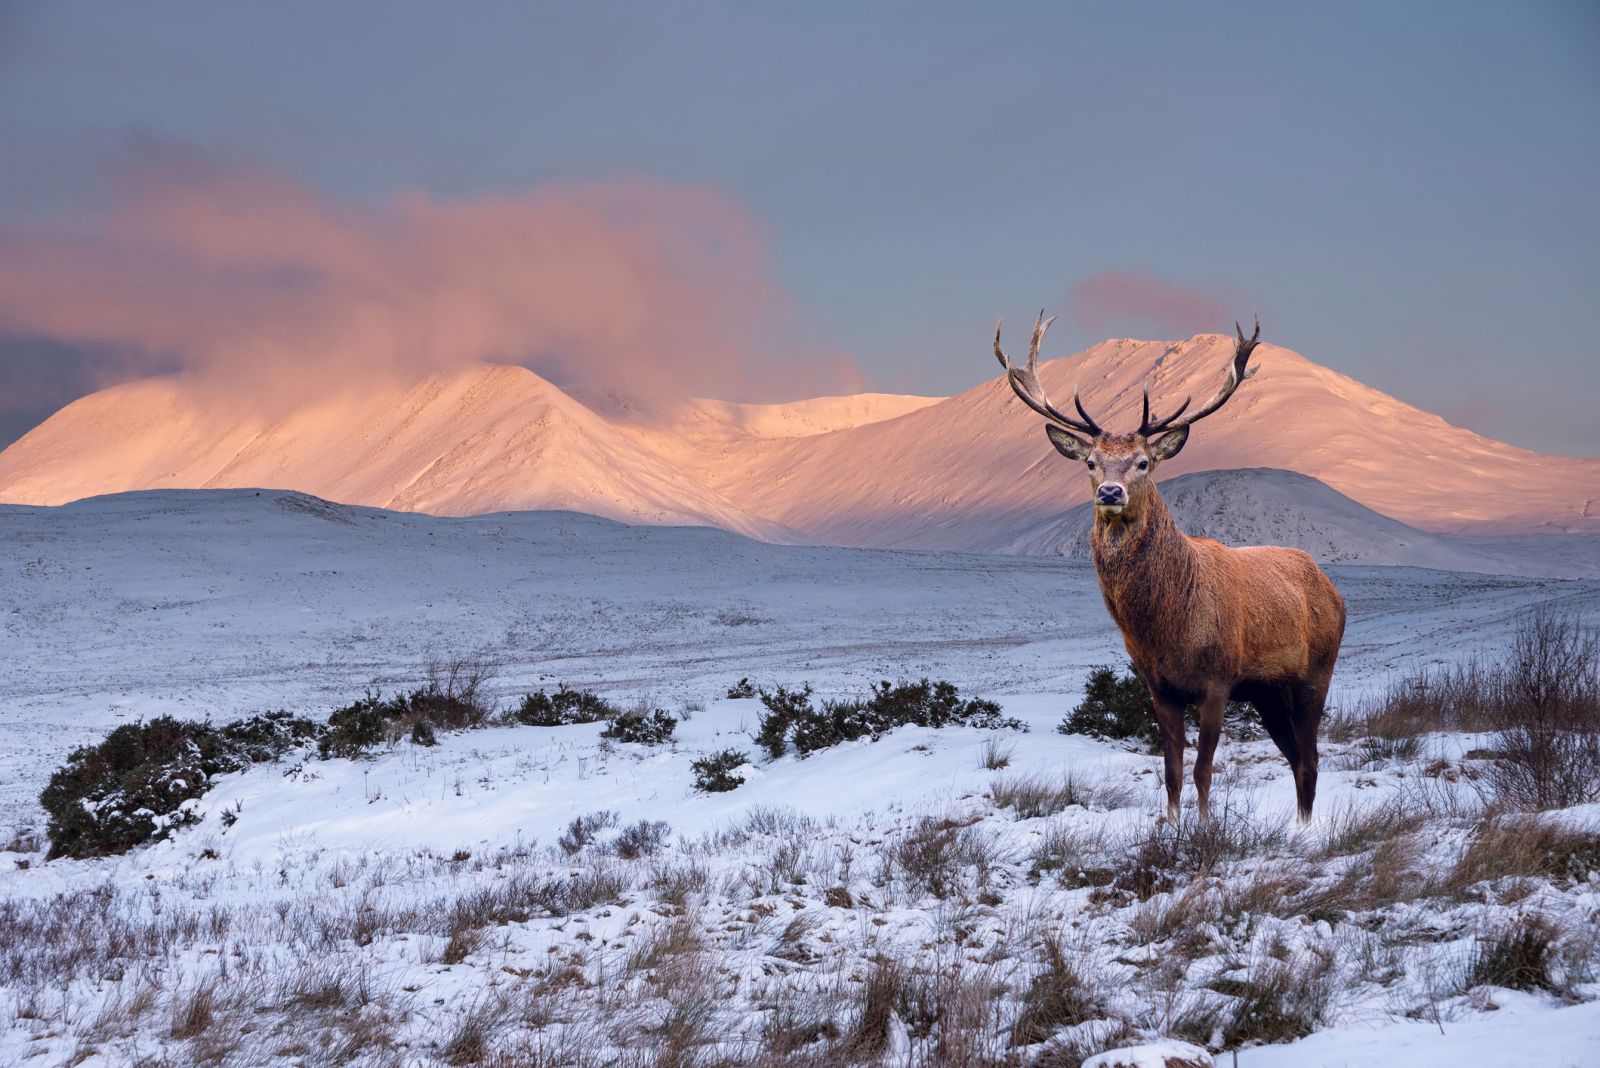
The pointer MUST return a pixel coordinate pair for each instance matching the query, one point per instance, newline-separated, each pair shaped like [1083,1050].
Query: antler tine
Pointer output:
[1148,426]
[1238,371]
[1025,381]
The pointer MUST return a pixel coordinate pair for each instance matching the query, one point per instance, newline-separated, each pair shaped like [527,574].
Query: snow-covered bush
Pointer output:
[792,721]
[645,728]
[716,773]
[133,787]
[561,708]
[373,721]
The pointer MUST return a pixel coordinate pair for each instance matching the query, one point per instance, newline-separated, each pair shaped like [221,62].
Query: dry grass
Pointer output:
[1034,797]
[1526,846]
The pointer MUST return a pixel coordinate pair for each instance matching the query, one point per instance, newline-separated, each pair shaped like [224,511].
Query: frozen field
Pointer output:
[328,915]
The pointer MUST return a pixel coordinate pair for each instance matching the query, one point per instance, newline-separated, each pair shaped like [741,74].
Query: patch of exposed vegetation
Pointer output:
[565,706]
[136,785]
[717,773]
[654,727]
[792,722]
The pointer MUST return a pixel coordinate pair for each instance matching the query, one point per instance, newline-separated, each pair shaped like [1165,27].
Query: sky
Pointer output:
[765,201]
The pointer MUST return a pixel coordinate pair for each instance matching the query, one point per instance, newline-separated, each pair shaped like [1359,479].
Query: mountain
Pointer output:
[1262,506]
[952,474]
[971,471]
[485,439]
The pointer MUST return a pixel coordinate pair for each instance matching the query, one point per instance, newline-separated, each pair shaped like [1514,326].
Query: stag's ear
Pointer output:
[1169,444]
[1069,445]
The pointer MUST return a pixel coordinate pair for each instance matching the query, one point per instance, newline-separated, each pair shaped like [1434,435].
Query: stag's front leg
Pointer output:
[1205,748]
[1169,720]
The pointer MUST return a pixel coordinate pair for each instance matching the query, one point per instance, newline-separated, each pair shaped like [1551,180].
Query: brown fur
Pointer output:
[1205,624]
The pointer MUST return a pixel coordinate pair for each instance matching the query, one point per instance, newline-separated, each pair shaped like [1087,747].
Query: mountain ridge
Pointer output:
[872,470]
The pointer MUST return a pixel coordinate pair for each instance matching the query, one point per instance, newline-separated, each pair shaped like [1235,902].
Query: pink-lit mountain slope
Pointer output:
[972,471]
[953,474]
[486,439]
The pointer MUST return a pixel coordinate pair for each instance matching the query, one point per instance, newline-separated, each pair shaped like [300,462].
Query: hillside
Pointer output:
[1261,506]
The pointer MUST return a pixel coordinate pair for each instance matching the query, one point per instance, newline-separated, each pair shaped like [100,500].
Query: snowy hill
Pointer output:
[1266,507]
[966,472]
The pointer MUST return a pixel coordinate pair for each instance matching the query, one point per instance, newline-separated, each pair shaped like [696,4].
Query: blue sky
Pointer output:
[1406,192]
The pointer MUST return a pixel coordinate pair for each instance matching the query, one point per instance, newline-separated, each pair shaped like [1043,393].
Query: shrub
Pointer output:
[784,707]
[1545,708]
[356,728]
[582,830]
[1517,956]
[1115,708]
[445,703]
[716,773]
[1120,709]
[562,708]
[645,728]
[791,720]
[133,787]
[641,839]
[741,690]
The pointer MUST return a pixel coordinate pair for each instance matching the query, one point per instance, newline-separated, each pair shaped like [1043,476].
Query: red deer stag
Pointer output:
[1203,623]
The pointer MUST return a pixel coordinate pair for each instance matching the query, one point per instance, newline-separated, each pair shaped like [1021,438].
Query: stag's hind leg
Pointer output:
[1276,706]
[1309,700]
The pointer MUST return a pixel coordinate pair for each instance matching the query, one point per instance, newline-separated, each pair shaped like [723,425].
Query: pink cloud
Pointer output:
[257,283]
[1122,303]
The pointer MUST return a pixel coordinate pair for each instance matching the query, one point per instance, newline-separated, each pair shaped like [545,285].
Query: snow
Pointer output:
[1151,1055]
[218,603]
[1522,1032]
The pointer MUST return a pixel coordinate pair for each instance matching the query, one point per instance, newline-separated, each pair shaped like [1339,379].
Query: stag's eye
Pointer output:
[1144,465]
[1091,465]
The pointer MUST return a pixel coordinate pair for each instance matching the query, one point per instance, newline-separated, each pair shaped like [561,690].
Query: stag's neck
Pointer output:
[1145,563]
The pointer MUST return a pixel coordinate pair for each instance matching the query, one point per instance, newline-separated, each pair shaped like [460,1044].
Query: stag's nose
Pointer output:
[1111,493]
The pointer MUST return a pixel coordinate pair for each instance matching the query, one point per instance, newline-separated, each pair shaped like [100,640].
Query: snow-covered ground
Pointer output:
[415,907]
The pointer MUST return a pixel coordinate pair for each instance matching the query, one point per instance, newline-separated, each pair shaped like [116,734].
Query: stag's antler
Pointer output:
[1026,383]
[1237,373]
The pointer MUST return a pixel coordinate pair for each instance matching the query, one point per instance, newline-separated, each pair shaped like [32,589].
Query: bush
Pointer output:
[645,728]
[1115,708]
[134,786]
[1517,956]
[715,773]
[784,707]
[741,690]
[642,839]
[562,708]
[791,720]
[582,830]
[1120,709]
[1544,703]
[358,728]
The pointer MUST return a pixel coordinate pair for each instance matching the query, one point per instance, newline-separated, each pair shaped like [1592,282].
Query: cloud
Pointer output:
[1124,303]
[261,287]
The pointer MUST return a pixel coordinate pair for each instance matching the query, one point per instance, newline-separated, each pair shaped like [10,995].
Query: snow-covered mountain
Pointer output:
[1262,506]
[966,472]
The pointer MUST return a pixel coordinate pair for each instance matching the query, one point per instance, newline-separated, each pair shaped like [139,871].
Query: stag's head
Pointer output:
[1120,466]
